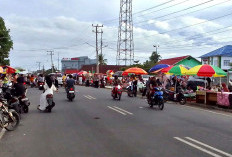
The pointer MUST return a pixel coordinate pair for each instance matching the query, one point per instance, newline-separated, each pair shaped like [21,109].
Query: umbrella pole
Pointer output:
[205,90]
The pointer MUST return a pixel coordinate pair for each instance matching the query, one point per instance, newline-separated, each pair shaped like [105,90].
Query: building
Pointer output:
[187,61]
[221,57]
[75,64]
[102,68]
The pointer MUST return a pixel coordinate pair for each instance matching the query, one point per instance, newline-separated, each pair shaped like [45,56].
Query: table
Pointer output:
[211,98]
[200,96]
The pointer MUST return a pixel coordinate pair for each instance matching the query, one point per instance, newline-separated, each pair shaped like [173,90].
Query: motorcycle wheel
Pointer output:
[182,101]
[119,97]
[161,105]
[13,123]
[25,109]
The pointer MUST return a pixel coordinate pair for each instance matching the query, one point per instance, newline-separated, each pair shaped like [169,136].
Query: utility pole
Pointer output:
[51,53]
[39,65]
[58,61]
[97,32]
[101,42]
[43,69]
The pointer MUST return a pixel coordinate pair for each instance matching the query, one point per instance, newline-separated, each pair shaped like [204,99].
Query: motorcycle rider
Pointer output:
[116,82]
[48,89]
[152,85]
[70,83]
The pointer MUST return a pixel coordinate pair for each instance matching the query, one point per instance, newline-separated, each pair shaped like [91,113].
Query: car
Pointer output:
[59,78]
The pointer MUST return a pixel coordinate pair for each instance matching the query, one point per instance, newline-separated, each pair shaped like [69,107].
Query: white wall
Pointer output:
[222,63]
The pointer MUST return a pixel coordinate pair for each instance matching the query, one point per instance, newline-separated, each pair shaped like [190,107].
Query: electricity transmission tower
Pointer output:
[125,47]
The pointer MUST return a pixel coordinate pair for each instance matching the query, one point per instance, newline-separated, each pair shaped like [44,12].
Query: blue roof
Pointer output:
[223,51]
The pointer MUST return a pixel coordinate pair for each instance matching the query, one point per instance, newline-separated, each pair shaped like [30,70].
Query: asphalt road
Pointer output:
[95,125]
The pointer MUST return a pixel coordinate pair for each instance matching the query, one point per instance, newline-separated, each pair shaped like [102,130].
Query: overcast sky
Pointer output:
[179,27]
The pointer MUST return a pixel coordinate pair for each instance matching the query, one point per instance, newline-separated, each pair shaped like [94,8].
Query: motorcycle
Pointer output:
[51,103]
[176,97]
[116,93]
[156,99]
[70,94]
[41,85]
[9,118]
[132,92]
[24,103]
[12,101]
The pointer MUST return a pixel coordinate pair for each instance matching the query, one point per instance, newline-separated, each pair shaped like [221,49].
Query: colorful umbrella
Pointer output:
[206,71]
[9,69]
[1,70]
[134,70]
[176,70]
[82,73]
[158,67]
[165,70]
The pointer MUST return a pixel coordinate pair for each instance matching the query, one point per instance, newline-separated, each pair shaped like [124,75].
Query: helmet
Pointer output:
[116,77]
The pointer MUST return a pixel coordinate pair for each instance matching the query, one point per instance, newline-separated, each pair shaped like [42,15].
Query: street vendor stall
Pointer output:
[209,97]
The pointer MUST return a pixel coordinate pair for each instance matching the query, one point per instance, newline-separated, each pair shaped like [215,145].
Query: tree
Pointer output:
[6,44]
[101,59]
[155,57]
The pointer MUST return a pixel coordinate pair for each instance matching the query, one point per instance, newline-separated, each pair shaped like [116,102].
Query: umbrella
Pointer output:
[158,67]
[165,70]
[82,73]
[176,70]
[17,71]
[206,71]
[1,70]
[134,70]
[9,69]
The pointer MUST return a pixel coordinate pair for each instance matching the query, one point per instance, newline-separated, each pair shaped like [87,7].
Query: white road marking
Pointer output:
[123,110]
[210,147]
[197,147]
[140,107]
[210,111]
[116,110]
[91,97]
[87,97]
[2,133]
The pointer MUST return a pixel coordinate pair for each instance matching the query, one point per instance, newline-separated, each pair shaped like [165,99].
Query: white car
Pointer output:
[59,77]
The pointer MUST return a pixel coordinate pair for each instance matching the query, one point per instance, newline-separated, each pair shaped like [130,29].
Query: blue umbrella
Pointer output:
[158,67]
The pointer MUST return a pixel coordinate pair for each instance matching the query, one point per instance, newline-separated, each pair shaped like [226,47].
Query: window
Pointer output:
[215,62]
[226,62]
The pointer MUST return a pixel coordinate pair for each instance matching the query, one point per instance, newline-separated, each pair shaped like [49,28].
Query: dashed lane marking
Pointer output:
[91,96]
[123,110]
[210,147]
[117,110]
[87,97]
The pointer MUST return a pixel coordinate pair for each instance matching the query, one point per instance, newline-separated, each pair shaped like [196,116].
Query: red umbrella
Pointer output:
[166,70]
[82,73]
[134,70]
[9,69]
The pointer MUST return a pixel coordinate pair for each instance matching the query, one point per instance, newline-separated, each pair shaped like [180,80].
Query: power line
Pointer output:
[158,17]
[116,19]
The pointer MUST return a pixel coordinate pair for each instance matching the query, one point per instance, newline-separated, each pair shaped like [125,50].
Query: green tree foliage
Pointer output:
[155,57]
[101,59]
[6,44]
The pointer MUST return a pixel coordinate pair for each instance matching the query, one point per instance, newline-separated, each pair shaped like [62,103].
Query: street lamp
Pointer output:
[156,46]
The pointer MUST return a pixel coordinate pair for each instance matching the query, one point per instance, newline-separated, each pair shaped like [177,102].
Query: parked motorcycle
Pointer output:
[116,93]
[156,99]
[12,101]
[9,118]
[176,97]
[70,94]
[24,103]
[51,103]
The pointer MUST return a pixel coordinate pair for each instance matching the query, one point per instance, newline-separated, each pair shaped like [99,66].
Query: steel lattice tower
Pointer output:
[125,46]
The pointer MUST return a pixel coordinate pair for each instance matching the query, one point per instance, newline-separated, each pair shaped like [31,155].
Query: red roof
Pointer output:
[71,71]
[172,61]
[102,68]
